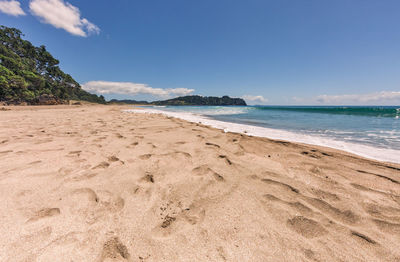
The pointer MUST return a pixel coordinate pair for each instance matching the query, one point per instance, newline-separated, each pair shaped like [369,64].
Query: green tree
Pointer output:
[27,72]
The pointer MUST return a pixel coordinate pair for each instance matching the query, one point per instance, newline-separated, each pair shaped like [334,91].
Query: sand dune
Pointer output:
[91,183]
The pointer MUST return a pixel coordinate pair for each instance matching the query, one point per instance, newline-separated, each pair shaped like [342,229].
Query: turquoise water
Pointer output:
[376,126]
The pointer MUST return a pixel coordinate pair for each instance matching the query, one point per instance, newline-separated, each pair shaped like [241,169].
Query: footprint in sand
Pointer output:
[175,217]
[371,190]
[380,176]
[391,228]
[206,170]
[286,186]
[118,135]
[65,171]
[145,156]
[306,227]
[102,165]
[299,207]
[90,206]
[386,213]
[310,154]
[149,178]
[39,236]
[178,155]
[347,216]
[113,159]
[82,177]
[43,141]
[6,151]
[167,221]
[142,192]
[75,152]
[324,194]
[114,250]
[88,192]
[43,213]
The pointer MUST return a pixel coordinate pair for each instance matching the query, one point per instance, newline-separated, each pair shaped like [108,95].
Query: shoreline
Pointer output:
[91,183]
[365,151]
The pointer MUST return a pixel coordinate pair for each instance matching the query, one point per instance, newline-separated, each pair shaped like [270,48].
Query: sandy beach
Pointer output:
[93,183]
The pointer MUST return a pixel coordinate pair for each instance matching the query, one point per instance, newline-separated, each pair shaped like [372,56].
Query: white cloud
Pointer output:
[297,99]
[11,8]
[63,15]
[378,98]
[129,88]
[255,99]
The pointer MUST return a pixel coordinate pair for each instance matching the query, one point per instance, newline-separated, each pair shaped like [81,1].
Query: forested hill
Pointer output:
[31,75]
[128,102]
[202,101]
[187,101]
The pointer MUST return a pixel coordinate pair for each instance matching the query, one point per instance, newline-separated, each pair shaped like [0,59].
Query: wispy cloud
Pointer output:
[383,97]
[11,8]
[63,15]
[129,88]
[377,98]
[254,99]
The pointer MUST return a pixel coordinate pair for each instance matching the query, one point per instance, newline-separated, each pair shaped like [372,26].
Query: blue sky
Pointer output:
[270,52]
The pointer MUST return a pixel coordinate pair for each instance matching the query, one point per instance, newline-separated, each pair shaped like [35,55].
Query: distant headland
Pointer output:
[194,100]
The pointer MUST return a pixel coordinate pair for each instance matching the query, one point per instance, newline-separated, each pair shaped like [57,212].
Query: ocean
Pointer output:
[369,131]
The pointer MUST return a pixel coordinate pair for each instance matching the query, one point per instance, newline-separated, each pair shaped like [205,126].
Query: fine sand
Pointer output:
[92,183]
